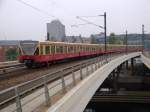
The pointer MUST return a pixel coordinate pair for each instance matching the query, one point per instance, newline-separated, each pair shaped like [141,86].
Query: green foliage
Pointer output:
[93,40]
[12,54]
[114,40]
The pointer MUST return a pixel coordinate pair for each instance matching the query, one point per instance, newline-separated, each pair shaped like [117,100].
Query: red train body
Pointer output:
[37,53]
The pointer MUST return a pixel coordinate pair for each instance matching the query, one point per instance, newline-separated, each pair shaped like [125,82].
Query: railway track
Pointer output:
[21,74]
[8,67]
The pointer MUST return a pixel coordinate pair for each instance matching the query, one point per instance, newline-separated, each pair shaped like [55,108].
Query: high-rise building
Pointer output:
[55,31]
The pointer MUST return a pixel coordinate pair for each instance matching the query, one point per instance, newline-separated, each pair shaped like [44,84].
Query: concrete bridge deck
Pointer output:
[78,97]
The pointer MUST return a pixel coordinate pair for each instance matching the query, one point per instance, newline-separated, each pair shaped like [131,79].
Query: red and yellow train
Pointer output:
[36,53]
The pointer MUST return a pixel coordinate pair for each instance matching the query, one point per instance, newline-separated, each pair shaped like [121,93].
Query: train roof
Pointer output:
[67,43]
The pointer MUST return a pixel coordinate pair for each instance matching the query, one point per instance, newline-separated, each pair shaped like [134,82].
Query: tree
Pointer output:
[12,54]
[93,40]
[114,40]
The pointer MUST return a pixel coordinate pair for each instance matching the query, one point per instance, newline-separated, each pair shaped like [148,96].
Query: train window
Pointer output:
[81,48]
[87,49]
[47,49]
[52,49]
[93,49]
[84,49]
[70,49]
[59,49]
[78,49]
[37,51]
[100,48]
[75,49]
[90,48]
[41,50]
[110,47]
[65,49]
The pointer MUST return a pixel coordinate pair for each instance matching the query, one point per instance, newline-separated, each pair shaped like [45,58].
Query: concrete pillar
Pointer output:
[115,86]
[143,69]
[127,65]
[132,66]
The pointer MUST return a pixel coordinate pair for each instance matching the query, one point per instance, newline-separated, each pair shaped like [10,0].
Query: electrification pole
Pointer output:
[126,41]
[143,38]
[105,31]
[102,27]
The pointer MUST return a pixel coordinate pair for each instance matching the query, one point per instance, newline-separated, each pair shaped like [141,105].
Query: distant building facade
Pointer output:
[97,38]
[136,39]
[133,39]
[55,31]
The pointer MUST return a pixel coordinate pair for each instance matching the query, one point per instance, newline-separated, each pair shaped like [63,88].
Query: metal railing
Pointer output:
[61,78]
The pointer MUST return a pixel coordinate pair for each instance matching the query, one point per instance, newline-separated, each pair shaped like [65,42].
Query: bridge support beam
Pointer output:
[115,75]
[127,65]
[143,67]
[115,86]
[132,66]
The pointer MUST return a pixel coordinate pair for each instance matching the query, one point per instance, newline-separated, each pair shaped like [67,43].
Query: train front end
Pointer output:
[27,52]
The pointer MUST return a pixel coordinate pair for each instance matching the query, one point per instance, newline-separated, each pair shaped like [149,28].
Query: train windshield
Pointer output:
[28,47]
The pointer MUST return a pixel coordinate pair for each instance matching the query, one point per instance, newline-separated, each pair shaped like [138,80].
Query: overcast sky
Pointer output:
[19,21]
